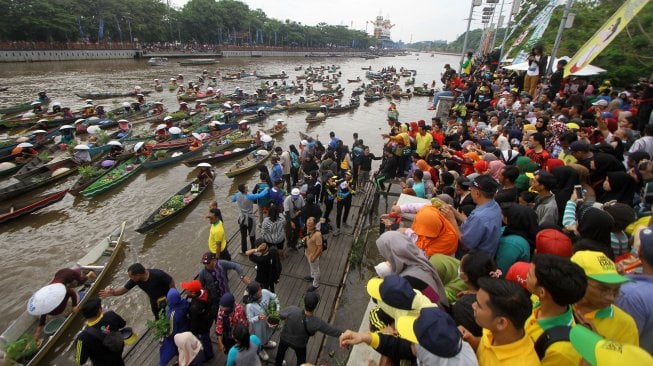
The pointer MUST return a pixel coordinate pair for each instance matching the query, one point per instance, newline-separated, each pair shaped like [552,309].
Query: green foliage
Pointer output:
[21,349]
[161,326]
[203,21]
[88,171]
[44,156]
[103,137]
[272,313]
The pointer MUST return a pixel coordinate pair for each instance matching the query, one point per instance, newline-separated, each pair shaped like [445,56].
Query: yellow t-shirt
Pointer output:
[423,143]
[559,353]
[520,353]
[567,158]
[216,235]
[614,324]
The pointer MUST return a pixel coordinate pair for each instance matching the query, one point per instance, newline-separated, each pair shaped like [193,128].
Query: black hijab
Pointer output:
[594,227]
[521,220]
[567,177]
[622,188]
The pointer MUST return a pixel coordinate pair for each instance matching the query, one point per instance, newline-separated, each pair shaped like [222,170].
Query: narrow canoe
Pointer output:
[183,142]
[316,117]
[82,182]
[171,156]
[166,213]
[43,177]
[16,209]
[101,258]
[117,175]
[219,157]
[107,95]
[272,132]
[247,163]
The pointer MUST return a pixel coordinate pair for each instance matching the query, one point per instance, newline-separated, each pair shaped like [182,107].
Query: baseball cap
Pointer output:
[552,241]
[192,286]
[208,257]
[602,352]
[517,273]
[601,102]
[434,330]
[294,192]
[393,290]
[646,243]
[579,146]
[598,266]
[485,183]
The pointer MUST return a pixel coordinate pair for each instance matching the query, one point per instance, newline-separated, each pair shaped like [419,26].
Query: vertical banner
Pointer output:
[79,24]
[602,38]
[540,23]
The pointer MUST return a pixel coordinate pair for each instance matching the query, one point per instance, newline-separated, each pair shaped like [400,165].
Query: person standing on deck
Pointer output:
[213,279]
[300,325]
[259,300]
[217,236]
[88,343]
[293,206]
[154,282]
[313,252]
[246,219]
[200,316]
[286,164]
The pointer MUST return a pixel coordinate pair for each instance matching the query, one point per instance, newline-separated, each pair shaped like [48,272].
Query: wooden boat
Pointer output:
[39,178]
[273,76]
[171,207]
[248,163]
[96,173]
[197,61]
[16,209]
[223,155]
[114,177]
[21,107]
[186,141]
[316,117]
[55,121]
[157,61]
[369,68]
[164,157]
[101,258]
[357,80]
[108,95]
[272,132]
[373,97]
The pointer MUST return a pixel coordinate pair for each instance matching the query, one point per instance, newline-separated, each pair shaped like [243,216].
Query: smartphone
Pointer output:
[579,191]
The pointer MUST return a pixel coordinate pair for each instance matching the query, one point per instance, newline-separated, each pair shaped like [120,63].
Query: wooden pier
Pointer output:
[290,289]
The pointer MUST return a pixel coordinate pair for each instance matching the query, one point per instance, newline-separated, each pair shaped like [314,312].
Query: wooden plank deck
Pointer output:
[290,289]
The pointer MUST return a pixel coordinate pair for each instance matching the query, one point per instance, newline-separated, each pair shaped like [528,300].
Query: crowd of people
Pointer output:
[531,245]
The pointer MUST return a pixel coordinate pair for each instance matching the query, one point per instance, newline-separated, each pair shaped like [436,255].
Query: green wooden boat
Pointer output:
[165,157]
[173,206]
[248,163]
[114,177]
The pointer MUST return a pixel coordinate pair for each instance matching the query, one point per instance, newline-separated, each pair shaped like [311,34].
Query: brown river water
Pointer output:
[33,247]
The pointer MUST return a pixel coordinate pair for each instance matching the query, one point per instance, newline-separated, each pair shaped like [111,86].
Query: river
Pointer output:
[34,247]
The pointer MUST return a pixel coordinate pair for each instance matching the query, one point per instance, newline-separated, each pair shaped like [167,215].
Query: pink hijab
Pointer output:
[495,168]
[189,346]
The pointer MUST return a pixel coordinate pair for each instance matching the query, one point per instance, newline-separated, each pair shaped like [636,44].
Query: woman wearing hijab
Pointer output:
[177,313]
[620,187]
[517,242]
[495,167]
[189,349]
[408,261]
[594,226]
[447,268]
[567,178]
[426,168]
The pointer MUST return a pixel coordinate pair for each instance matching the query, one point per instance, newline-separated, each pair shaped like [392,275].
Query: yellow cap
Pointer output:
[598,266]
[602,352]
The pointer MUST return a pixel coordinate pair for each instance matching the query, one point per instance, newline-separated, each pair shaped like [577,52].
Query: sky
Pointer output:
[421,20]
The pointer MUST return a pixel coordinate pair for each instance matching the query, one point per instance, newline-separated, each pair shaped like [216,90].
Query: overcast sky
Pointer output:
[423,20]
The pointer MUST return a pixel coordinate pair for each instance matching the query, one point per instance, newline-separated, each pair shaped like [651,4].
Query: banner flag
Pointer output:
[602,38]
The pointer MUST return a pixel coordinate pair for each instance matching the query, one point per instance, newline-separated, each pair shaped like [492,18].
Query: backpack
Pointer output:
[275,196]
[551,336]
[113,341]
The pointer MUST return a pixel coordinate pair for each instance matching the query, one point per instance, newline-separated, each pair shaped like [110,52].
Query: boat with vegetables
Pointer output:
[187,141]
[161,158]
[173,206]
[223,155]
[39,177]
[90,173]
[114,177]
[17,208]
[18,337]
[251,161]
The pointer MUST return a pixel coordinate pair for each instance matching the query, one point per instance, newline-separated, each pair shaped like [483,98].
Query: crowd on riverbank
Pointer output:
[537,215]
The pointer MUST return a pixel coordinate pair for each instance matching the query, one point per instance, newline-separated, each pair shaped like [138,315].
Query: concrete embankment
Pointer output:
[66,55]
